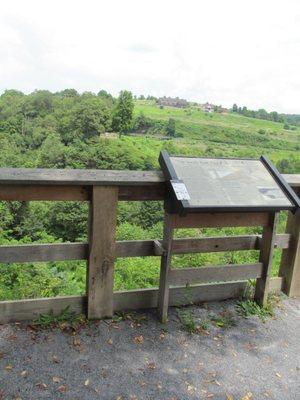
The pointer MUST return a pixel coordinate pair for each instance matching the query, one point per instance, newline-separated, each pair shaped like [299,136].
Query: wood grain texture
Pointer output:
[290,260]
[222,273]
[19,176]
[133,248]
[102,251]
[163,296]
[41,176]
[45,193]
[220,220]
[22,310]
[266,258]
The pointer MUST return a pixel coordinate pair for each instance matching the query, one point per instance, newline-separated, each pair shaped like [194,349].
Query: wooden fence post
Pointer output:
[290,260]
[163,292]
[102,251]
[266,257]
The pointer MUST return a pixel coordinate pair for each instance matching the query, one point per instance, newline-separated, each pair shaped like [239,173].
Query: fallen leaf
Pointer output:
[56,360]
[24,373]
[8,367]
[210,395]
[159,387]
[151,365]
[77,342]
[162,336]
[86,383]
[110,341]
[56,379]
[62,388]
[41,385]
[229,396]
[248,396]
[139,339]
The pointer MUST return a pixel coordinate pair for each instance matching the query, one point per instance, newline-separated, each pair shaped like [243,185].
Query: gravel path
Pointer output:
[142,359]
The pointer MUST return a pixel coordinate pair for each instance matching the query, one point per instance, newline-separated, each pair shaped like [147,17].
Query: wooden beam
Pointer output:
[90,177]
[19,176]
[43,252]
[22,310]
[220,220]
[102,252]
[290,261]
[222,273]
[133,248]
[163,296]
[266,258]
[45,193]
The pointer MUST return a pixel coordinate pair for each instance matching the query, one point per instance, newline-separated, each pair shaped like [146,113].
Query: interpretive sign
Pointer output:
[219,184]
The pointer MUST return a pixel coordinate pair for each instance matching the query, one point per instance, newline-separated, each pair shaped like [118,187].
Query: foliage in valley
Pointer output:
[71,130]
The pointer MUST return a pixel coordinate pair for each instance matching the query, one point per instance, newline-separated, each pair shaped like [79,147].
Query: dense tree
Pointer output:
[123,113]
[171,127]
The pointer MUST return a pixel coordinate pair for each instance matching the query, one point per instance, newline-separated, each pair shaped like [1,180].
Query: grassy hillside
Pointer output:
[225,134]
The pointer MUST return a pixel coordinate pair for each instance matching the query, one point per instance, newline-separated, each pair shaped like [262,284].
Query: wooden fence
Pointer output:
[103,190]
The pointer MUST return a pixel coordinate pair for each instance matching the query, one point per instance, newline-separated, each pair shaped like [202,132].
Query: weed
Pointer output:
[205,325]
[66,320]
[224,320]
[187,319]
[248,308]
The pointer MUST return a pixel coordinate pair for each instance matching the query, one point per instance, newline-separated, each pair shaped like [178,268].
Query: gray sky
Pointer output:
[222,51]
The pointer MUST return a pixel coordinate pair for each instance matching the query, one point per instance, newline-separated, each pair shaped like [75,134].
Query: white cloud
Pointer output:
[222,51]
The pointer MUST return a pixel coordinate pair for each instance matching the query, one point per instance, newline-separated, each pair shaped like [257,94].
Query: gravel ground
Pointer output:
[140,358]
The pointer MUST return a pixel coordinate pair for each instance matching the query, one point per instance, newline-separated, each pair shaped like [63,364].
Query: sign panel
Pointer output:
[214,184]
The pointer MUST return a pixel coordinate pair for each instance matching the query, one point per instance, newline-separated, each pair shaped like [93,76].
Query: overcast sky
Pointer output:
[221,51]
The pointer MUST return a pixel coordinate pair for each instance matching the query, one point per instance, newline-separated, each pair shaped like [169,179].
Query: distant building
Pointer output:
[209,108]
[172,102]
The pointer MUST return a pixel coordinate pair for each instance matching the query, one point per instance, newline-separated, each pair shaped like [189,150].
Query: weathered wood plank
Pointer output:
[290,260]
[16,176]
[76,193]
[133,248]
[43,252]
[266,257]
[141,193]
[22,310]
[41,176]
[42,192]
[221,220]
[163,296]
[222,273]
[100,277]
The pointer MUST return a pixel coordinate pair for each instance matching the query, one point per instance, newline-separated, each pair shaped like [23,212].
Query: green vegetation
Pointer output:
[72,130]
[66,321]
[249,308]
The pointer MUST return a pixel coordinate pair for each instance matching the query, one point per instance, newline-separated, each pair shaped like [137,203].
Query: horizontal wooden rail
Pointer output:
[84,185]
[222,273]
[133,248]
[22,310]
[25,184]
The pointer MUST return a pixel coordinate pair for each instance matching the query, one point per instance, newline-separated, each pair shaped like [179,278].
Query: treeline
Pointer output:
[67,114]
[274,116]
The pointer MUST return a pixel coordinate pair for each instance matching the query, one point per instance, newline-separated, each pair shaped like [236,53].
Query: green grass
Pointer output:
[248,308]
[224,134]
